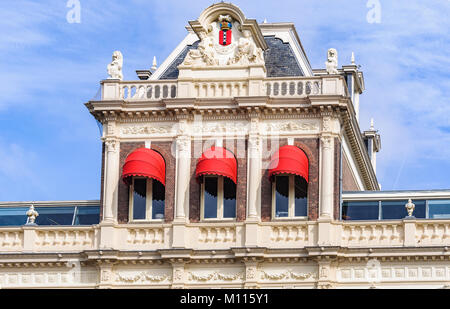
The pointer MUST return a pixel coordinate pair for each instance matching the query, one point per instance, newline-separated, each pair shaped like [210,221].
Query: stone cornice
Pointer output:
[257,254]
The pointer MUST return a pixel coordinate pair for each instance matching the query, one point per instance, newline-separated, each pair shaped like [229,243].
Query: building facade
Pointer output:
[235,164]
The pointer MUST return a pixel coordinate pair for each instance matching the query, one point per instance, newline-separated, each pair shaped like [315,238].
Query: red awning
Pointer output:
[144,162]
[217,161]
[289,160]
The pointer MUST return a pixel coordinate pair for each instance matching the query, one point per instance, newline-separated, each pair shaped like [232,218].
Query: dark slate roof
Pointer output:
[279,57]
[172,71]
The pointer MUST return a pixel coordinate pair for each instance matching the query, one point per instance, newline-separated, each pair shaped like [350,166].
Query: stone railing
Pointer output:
[372,234]
[138,90]
[221,89]
[287,234]
[432,233]
[215,235]
[226,235]
[295,87]
[298,87]
[11,239]
[65,238]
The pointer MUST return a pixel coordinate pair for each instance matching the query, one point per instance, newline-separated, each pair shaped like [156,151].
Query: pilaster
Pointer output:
[111,173]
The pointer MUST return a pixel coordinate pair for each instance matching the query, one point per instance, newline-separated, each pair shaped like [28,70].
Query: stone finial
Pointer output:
[410,207]
[372,127]
[115,67]
[353,58]
[31,214]
[332,61]
[154,64]
[265,21]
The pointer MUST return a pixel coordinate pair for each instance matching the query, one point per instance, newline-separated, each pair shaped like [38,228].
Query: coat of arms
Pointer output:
[225,30]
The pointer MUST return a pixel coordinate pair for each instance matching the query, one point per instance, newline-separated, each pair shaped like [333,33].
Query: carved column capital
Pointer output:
[326,141]
[112,145]
[183,143]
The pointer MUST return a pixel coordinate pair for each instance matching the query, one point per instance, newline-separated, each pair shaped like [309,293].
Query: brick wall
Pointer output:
[102,181]
[241,186]
[311,148]
[123,191]
[337,162]
[164,148]
[348,182]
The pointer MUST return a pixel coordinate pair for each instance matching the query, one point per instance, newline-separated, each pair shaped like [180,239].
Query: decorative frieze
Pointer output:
[287,275]
[144,277]
[214,276]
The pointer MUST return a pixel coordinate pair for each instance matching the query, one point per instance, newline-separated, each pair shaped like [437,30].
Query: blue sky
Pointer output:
[49,143]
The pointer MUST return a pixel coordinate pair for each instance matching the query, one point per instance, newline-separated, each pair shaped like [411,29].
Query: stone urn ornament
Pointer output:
[32,214]
[410,206]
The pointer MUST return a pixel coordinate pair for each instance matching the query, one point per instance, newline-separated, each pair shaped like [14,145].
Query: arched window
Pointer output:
[216,171]
[144,172]
[288,171]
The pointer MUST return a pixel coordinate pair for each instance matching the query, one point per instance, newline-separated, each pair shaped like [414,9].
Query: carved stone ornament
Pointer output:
[224,44]
[326,124]
[326,142]
[214,276]
[115,67]
[31,214]
[332,61]
[289,274]
[137,130]
[251,273]
[410,207]
[111,145]
[183,144]
[143,277]
[291,126]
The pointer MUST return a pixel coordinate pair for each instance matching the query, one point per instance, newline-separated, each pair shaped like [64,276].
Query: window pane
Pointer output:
[210,197]
[397,210]
[10,216]
[301,201]
[139,197]
[158,200]
[87,215]
[281,196]
[229,198]
[439,209]
[55,215]
[360,210]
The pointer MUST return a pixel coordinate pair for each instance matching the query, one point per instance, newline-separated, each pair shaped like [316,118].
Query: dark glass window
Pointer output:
[87,215]
[438,209]
[55,215]
[139,198]
[360,210]
[210,197]
[397,210]
[229,198]
[301,190]
[11,216]
[158,201]
[281,196]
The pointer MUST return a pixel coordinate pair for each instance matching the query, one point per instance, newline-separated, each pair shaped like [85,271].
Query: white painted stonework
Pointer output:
[223,93]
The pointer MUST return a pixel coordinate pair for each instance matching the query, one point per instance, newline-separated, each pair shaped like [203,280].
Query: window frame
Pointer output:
[291,203]
[148,202]
[220,199]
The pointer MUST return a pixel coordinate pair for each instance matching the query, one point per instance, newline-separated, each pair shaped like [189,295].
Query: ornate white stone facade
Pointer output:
[224,93]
